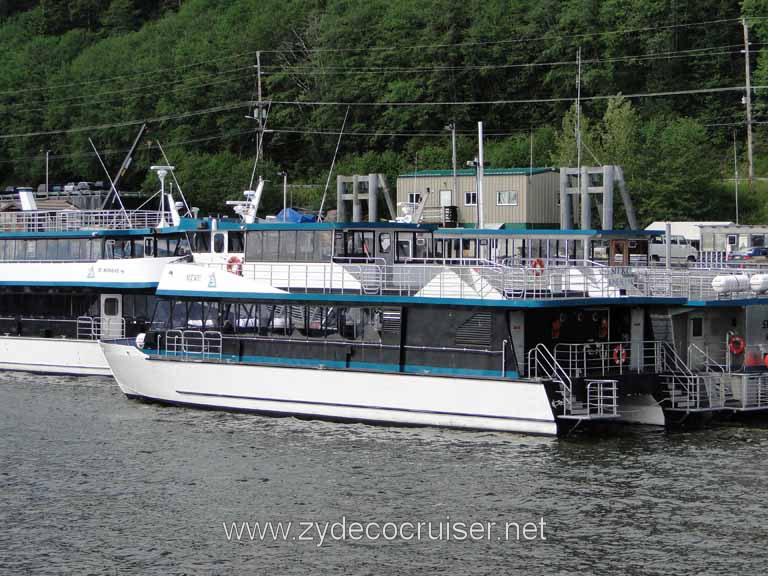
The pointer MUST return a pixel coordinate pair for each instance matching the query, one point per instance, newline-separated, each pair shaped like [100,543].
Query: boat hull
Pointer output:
[53,356]
[502,405]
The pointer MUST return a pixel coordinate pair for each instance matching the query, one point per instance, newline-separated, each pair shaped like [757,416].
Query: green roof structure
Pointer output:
[471,172]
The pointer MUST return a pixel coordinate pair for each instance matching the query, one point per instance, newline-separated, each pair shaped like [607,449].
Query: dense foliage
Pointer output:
[74,69]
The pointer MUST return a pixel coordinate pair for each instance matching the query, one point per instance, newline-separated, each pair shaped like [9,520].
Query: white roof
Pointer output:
[691,230]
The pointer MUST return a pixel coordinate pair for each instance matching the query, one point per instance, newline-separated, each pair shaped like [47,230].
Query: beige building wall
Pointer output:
[532,202]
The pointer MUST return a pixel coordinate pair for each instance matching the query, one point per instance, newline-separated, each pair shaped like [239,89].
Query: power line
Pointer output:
[222,108]
[546,37]
[330,70]
[136,88]
[515,101]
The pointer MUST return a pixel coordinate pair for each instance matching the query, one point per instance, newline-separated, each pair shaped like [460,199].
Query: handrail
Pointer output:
[539,357]
[709,362]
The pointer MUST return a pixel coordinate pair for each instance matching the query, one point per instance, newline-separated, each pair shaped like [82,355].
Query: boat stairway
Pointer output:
[590,399]
[694,392]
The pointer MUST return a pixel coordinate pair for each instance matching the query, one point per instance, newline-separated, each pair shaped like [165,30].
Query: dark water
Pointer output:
[93,483]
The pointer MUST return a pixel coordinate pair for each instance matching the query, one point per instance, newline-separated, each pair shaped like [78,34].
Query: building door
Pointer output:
[619,253]
[445,198]
[112,323]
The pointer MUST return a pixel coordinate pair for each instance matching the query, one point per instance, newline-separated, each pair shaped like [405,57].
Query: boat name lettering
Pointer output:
[112,270]
[193,277]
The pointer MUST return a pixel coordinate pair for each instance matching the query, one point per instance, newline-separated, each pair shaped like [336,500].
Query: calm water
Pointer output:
[93,483]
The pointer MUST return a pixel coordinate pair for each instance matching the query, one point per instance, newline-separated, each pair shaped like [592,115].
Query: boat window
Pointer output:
[323,245]
[195,315]
[438,247]
[30,250]
[697,327]
[235,242]
[201,242]
[64,249]
[271,245]
[420,248]
[385,241]
[305,250]
[404,245]
[218,243]
[253,252]
[149,247]
[111,307]
[287,245]
[179,314]
[161,315]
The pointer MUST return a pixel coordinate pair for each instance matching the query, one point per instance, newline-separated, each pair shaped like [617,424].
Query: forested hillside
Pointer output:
[403,70]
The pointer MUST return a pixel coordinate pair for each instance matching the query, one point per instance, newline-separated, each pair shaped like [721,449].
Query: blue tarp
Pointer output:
[295,217]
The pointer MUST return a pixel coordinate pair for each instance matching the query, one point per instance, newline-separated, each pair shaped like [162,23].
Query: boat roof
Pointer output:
[471,172]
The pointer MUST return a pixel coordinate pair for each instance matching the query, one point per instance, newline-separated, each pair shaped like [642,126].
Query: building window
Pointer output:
[697,327]
[414,197]
[470,198]
[506,198]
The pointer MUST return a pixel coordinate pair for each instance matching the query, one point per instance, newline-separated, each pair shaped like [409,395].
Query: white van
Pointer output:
[682,251]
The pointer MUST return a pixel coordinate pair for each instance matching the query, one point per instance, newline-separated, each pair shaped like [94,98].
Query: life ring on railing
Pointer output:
[538,266]
[235,265]
[736,345]
[619,355]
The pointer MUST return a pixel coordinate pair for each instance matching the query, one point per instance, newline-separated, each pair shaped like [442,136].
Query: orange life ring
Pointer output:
[619,355]
[235,265]
[538,266]
[736,345]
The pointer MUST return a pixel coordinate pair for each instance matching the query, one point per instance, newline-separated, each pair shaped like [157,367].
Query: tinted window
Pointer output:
[110,306]
[218,243]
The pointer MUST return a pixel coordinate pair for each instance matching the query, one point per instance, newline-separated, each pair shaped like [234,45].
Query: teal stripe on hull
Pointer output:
[514,303]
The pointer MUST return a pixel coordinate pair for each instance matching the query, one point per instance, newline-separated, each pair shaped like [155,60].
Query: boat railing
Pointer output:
[73,220]
[190,344]
[99,327]
[482,279]
[701,358]
[594,359]
[543,365]
[602,398]
[749,391]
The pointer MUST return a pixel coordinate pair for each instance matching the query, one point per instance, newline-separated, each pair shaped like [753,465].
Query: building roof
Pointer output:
[471,172]
[690,230]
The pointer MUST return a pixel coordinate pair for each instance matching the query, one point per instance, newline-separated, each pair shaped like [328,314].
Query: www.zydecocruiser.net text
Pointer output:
[344,529]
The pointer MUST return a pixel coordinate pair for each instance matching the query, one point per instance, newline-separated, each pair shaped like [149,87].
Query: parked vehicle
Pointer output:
[682,250]
[754,255]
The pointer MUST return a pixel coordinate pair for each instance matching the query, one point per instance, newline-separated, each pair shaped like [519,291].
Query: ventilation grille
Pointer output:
[475,331]
[391,319]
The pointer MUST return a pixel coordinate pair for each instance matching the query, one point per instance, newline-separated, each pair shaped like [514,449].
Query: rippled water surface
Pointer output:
[93,483]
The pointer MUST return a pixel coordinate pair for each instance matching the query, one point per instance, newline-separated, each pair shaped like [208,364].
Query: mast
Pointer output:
[748,102]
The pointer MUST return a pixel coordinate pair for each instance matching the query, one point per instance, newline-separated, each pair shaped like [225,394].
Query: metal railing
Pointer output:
[72,220]
[602,398]
[700,358]
[97,327]
[194,344]
[485,280]
[592,359]
[749,392]
[542,365]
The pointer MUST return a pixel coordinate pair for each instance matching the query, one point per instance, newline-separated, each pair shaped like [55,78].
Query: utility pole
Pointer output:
[452,128]
[748,102]
[47,187]
[736,175]
[259,114]
[480,174]
[284,174]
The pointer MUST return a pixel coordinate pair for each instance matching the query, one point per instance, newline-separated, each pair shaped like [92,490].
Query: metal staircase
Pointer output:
[601,400]
[685,390]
